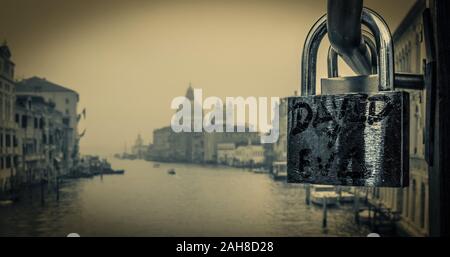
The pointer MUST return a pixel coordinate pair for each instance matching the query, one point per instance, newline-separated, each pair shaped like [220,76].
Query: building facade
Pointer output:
[8,138]
[411,203]
[65,101]
[212,140]
[42,139]
[280,147]
[240,155]
[139,149]
[194,147]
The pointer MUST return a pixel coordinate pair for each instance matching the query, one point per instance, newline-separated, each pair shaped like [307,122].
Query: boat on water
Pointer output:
[6,202]
[324,193]
[346,197]
[9,199]
[113,172]
[156,165]
[259,170]
[365,216]
[171,172]
[279,172]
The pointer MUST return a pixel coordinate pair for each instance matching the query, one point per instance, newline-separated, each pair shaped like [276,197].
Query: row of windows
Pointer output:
[8,140]
[9,162]
[22,121]
[408,56]
[6,87]
[5,106]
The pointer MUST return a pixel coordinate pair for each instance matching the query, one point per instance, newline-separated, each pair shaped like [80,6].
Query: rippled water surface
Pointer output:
[197,201]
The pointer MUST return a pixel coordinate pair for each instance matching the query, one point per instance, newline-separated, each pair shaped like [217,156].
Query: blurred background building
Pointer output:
[8,138]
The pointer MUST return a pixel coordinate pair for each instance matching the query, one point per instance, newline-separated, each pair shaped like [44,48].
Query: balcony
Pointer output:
[34,157]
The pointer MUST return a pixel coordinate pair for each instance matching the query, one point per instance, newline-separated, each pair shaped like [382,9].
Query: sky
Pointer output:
[129,59]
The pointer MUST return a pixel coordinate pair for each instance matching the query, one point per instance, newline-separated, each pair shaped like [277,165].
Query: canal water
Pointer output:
[197,201]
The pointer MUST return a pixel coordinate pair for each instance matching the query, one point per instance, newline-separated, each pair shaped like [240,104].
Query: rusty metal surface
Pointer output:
[358,139]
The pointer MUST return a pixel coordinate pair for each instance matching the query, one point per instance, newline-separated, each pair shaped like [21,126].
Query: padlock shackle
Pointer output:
[384,45]
[332,61]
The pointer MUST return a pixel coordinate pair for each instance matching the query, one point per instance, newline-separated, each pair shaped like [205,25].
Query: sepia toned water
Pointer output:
[197,201]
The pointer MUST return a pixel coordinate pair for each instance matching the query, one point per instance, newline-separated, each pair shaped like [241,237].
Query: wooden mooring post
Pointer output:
[308,194]
[42,192]
[324,219]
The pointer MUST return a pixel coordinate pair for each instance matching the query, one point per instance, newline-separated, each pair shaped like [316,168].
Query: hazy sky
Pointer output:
[129,59]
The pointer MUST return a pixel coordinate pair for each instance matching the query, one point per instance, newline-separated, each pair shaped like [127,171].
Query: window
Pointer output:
[35,146]
[2,164]
[67,111]
[24,121]
[66,121]
[17,118]
[42,123]
[15,142]
[1,105]
[8,162]
[36,123]
[8,140]
[67,101]
[1,140]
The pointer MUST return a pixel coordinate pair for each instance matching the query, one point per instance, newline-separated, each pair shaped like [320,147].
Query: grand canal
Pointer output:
[197,201]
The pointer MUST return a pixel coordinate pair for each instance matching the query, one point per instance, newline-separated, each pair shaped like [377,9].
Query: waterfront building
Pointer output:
[225,154]
[169,146]
[65,101]
[42,138]
[160,149]
[8,138]
[212,140]
[139,150]
[193,147]
[249,155]
[280,147]
[411,203]
[275,154]
[240,155]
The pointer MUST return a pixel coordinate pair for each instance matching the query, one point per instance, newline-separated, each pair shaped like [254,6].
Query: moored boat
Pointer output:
[113,172]
[171,171]
[346,197]
[259,170]
[323,193]
[279,172]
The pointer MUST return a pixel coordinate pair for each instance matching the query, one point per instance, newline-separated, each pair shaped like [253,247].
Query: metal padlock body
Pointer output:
[348,139]
[354,139]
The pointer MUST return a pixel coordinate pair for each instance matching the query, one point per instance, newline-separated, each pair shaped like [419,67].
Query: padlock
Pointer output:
[356,133]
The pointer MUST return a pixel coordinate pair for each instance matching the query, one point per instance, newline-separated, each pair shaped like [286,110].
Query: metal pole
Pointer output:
[57,185]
